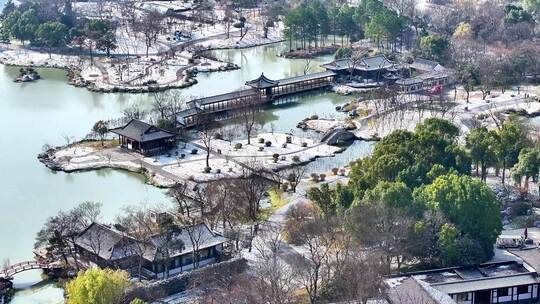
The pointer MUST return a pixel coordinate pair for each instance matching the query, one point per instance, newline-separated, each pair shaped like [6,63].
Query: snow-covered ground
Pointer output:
[252,38]
[180,164]
[263,156]
[461,114]
[194,170]
[27,57]
[132,70]
[405,120]
[323,125]
[181,154]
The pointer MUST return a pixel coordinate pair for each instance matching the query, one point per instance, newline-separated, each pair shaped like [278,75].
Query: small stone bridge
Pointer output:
[14,269]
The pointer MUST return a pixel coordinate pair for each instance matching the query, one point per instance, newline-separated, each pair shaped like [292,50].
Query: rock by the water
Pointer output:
[27,75]
[338,137]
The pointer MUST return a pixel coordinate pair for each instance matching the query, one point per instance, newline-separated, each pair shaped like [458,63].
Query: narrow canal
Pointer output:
[44,112]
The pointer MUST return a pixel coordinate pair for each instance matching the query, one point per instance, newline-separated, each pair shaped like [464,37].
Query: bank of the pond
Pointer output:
[34,114]
[46,111]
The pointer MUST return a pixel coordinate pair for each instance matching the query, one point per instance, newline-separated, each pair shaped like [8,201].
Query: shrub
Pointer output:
[194,151]
[304,144]
[284,158]
[288,139]
[230,170]
[275,156]
[322,177]
[218,171]
[314,117]
[261,140]
[238,146]
[335,171]
[342,172]
[191,178]
[285,187]
[268,143]
[520,208]
[261,148]
[291,177]
[314,177]
[296,158]
[207,169]
[218,136]
[284,146]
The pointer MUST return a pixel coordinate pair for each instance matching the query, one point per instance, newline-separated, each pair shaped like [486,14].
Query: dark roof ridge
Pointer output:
[486,278]
[427,271]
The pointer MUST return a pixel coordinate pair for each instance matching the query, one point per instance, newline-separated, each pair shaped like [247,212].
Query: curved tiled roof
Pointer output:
[142,132]
[262,82]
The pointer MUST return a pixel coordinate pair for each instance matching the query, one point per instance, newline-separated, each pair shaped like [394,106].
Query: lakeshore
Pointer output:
[186,161]
[71,111]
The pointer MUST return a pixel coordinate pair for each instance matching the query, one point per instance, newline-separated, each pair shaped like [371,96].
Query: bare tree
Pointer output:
[199,234]
[160,103]
[274,276]
[150,25]
[225,285]
[228,19]
[134,112]
[253,186]
[317,241]
[392,227]
[180,194]
[248,115]
[139,227]
[295,175]
[60,231]
[205,125]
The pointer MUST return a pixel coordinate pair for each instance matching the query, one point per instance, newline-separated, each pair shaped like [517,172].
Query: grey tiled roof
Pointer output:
[455,280]
[142,132]
[414,291]
[487,283]
[111,244]
[223,97]
[262,82]
[179,241]
[425,65]
[105,242]
[306,77]
[366,64]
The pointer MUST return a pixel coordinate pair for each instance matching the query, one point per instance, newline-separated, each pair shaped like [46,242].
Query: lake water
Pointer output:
[43,112]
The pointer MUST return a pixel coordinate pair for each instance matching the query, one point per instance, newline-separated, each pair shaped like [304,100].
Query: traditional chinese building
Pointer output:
[376,68]
[178,250]
[144,138]
[499,282]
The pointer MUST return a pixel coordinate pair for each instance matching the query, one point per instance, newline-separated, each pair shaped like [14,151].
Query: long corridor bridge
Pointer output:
[260,91]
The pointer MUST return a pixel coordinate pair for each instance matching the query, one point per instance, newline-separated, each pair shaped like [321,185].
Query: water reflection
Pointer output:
[40,113]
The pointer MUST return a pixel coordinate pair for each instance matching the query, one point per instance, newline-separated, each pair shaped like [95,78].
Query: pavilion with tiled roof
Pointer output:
[144,138]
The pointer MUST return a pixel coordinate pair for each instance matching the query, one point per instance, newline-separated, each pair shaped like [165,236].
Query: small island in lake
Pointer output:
[27,75]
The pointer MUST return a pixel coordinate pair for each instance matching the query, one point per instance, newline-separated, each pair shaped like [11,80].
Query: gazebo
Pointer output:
[144,138]
[263,84]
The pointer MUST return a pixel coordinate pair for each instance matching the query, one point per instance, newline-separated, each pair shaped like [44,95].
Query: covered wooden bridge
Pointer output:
[260,91]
